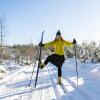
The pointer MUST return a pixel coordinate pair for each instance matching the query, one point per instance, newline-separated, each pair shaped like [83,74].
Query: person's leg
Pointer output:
[59,75]
[61,61]
[48,59]
[59,72]
[54,59]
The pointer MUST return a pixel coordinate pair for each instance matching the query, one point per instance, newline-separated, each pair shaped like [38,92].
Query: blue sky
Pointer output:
[27,19]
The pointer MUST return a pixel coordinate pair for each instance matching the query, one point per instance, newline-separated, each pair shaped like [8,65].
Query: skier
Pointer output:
[57,58]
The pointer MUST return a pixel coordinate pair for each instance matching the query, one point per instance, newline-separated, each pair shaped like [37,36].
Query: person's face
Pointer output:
[58,37]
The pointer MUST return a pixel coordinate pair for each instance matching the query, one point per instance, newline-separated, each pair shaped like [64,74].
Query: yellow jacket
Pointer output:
[58,45]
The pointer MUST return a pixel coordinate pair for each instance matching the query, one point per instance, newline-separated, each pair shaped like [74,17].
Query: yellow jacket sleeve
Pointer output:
[46,45]
[67,43]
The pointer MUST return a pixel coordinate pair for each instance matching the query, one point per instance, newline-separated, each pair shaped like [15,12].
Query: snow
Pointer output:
[14,84]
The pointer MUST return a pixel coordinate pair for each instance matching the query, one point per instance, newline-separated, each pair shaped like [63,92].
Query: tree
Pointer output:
[24,53]
[2,34]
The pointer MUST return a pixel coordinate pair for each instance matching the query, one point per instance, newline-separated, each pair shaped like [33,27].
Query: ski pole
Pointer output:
[33,68]
[76,64]
[32,72]
[39,61]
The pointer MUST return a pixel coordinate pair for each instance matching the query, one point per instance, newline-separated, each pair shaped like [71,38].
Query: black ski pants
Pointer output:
[56,60]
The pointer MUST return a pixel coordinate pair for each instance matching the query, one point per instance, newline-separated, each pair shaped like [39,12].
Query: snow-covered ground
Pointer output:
[14,84]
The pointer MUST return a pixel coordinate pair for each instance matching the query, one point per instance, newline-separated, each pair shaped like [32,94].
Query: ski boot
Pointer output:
[41,66]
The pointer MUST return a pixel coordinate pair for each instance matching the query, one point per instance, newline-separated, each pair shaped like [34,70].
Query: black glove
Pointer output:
[74,41]
[41,45]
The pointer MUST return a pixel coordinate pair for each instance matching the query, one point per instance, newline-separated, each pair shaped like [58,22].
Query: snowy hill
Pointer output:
[15,84]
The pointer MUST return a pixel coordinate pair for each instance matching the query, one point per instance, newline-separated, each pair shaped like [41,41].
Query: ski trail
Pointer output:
[10,90]
[60,95]
[24,92]
[44,84]
[85,90]
[65,90]
[44,92]
[69,86]
[16,87]
[78,91]
[10,76]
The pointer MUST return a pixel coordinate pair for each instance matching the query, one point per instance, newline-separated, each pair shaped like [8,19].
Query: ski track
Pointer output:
[13,74]
[14,91]
[47,87]
[89,92]
[56,89]
[67,83]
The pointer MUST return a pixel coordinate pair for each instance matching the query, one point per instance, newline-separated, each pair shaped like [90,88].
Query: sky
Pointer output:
[26,19]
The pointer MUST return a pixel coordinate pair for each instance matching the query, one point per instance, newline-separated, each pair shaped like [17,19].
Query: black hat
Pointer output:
[58,33]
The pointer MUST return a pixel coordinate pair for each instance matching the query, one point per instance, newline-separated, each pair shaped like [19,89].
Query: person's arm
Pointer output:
[46,45]
[67,43]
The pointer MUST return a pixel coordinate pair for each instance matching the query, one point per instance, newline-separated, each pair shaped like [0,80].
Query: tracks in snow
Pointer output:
[69,91]
[73,91]
[57,89]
